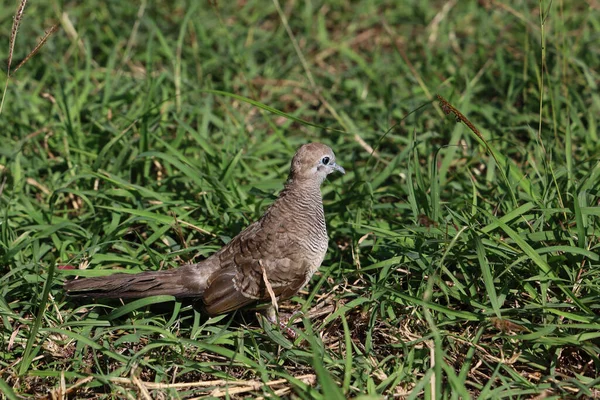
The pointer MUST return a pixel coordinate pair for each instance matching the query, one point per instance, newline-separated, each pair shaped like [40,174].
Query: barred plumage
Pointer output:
[288,242]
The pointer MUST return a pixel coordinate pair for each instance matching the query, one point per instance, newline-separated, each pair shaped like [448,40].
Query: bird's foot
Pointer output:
[286,321]
[288,330]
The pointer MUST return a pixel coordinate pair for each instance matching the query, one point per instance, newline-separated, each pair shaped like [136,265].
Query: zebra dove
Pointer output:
[273,258]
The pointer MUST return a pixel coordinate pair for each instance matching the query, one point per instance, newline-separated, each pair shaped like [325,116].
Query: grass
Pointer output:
[144,136]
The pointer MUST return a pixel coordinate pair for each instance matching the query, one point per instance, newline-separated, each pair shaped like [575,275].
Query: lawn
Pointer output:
[464,252]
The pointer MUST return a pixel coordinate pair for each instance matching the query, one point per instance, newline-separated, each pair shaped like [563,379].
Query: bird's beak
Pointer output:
[339,168]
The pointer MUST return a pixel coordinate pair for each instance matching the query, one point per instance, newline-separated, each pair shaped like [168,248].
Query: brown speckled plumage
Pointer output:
[289,242]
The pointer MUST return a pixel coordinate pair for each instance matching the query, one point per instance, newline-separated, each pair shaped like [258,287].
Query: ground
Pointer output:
[464,253]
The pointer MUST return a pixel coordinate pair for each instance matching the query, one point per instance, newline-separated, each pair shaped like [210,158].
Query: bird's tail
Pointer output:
[169,282]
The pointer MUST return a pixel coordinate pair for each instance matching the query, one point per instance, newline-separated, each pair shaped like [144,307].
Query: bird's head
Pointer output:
[313,162]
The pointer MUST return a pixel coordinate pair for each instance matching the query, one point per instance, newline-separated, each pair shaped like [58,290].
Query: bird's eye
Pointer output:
[325,160]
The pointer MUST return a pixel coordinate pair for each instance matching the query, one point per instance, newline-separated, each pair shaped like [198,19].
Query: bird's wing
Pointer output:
[244,262]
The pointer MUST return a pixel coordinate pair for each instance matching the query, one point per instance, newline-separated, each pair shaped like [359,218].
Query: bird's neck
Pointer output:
[301,198]
[309,189]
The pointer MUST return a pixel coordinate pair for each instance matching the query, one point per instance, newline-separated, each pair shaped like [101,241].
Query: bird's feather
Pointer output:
[286,245]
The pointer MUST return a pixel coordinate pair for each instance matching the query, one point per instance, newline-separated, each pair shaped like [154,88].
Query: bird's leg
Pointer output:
[271,314]
[282,320]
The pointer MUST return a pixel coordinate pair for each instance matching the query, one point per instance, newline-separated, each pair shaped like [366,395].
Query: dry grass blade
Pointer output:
[141,387]
[11,47]
[13,34]
[449,108]
[269,288]
[41,43]
[500,159]
[65,392]
[221,387]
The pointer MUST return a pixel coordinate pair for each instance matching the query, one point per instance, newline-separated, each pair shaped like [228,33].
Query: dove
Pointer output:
[269,261]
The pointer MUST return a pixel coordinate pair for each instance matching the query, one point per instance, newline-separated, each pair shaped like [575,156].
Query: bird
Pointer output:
[269,261]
